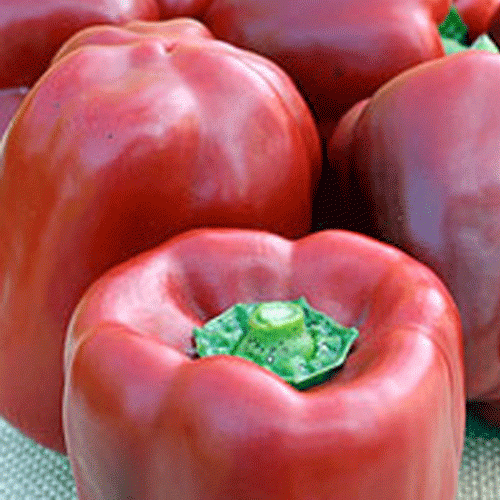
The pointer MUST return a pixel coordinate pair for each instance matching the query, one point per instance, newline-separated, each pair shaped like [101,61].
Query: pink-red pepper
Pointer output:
[146,419]
[420,163]
[133,134]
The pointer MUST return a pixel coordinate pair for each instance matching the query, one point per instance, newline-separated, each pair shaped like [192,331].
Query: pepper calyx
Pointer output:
[290,338]
[454,36]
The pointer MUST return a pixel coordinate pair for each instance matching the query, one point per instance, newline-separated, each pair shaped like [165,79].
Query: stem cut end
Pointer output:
[289,338]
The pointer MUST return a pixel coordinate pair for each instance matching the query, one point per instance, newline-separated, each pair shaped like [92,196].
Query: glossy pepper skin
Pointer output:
[426,178]
[137,134]
[32,32]
[145,420]
[337,51]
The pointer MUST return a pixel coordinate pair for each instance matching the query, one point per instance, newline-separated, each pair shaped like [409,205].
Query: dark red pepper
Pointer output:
[32,31]
[420,161]
[478,15]
[337,51]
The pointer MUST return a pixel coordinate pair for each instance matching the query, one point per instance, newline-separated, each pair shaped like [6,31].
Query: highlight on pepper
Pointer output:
[290,338]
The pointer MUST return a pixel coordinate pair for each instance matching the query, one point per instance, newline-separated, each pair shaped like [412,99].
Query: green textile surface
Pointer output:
[30,472]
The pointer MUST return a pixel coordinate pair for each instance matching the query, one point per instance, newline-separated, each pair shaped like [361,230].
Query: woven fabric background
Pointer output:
[31,472]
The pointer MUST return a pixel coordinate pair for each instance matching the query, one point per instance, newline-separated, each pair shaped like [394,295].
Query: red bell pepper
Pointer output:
[478,15]
[10,100]
[421,162]
[32,31]
[140,133]
[494,25]
[337,51]
[146,419]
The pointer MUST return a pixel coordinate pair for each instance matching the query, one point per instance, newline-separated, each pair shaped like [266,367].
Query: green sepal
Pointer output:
[453,27]
[452,46]
[228,333]
[484,42]
[223,333]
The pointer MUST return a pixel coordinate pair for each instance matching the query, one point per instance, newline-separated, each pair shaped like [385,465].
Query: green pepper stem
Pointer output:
[275,321]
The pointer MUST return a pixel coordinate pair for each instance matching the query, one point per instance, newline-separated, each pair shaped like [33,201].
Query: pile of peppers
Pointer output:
[250,250]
